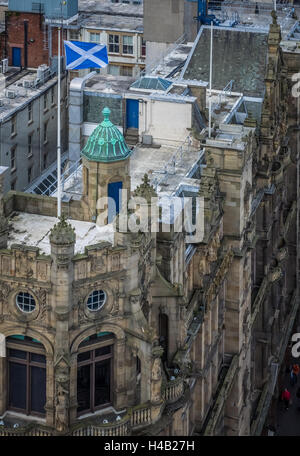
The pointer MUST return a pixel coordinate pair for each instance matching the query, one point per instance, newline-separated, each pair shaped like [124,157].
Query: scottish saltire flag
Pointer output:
[82,55]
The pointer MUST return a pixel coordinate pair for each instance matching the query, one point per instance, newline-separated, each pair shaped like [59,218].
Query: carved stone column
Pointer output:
[62,239]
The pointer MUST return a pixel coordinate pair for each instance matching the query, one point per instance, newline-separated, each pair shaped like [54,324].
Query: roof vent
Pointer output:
[27,84]
[10,93]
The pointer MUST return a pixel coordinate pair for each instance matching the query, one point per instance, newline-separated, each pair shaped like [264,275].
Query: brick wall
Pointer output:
[38,50]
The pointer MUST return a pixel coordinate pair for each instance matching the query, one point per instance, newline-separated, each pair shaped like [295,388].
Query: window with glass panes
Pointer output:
[30,112]
[127,44]
[45,132]
[26,368]
[94,375]
[114,43]
[95,37]
[29,150]
[143,47]
[13,158]
[45,101]
[125,70]
[13,125]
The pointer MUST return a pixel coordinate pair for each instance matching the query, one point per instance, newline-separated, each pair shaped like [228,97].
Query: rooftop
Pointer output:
[34,230]
[21,95]
[107,7]
[112,22]
[238,54]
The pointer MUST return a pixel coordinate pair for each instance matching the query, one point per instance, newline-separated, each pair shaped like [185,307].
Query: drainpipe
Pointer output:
[25,44]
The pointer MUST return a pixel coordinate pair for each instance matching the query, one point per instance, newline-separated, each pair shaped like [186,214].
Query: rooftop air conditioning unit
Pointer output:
[5,65]
[37,82]
[10,94]
[27,84]
[43,72]
[147,140]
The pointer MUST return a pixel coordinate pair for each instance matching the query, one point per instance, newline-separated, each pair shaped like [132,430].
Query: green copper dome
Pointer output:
[106,143]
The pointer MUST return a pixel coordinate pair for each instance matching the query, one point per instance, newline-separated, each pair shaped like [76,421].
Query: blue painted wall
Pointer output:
[51,8]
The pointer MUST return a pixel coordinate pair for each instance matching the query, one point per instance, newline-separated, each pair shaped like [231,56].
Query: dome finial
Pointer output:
[106,113]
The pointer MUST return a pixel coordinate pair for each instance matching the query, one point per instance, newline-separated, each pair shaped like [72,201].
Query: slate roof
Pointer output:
[238,54]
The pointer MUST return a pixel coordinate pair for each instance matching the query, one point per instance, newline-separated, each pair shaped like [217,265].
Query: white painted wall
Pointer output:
[167,122]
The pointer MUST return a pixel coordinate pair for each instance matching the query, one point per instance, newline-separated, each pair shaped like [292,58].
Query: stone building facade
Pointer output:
[144,332]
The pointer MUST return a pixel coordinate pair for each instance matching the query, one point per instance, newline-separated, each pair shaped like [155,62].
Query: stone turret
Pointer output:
[106,168]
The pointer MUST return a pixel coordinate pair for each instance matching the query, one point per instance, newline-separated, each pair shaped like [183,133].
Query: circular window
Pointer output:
[25,302]
[96,300]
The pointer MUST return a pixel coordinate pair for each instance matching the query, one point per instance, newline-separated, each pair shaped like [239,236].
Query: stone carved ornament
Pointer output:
[62,395]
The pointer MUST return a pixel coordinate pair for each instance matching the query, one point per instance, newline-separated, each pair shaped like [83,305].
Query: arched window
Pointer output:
[26,359]
[164,335]
[94,372]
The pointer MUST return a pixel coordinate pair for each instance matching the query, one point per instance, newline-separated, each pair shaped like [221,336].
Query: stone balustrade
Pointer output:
[173,390]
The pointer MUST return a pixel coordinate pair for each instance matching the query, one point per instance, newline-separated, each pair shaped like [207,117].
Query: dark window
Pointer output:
[30,112]
[29,174]
[94,378]
[13,164]
[125,70]
[114,43]
[45,132]
[143,48]
[127,44]
[13,125]
[164,335]
[26,379]
[29,150]
[45,101]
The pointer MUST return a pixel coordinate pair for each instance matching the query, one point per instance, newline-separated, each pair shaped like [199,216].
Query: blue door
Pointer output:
[113,192]
[132,113]
[16,56]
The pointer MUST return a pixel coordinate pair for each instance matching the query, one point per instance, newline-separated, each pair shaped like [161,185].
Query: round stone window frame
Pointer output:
[107,306]
[17,312]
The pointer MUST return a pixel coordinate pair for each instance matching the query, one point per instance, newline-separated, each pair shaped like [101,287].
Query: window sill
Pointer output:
[30,122]
[13,170]
[46,110]
[45,142]
[29,156]
[13,135]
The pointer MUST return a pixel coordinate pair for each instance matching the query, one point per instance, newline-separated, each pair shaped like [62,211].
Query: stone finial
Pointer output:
[274,17]
[62,233]
[145,190]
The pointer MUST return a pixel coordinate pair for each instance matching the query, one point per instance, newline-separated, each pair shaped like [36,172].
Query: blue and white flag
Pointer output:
[82,55]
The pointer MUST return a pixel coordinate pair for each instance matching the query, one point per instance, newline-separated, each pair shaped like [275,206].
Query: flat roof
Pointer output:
[23,95]
[106,6]
[34,230]
[113,22]
[157,162]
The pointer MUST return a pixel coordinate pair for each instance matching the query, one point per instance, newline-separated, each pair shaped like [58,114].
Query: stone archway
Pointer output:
[47,369]
[119,378]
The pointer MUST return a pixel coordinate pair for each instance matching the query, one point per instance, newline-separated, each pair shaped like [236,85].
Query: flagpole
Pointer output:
[58,131]
[210,78]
